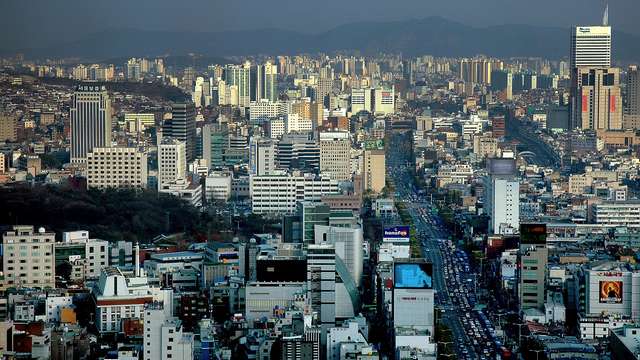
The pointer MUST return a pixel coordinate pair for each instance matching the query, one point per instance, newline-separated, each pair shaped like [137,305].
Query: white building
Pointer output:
[264,110]
[262,156]
[277,128]
[261,298]
[96,251]
[348,246]
[164,337]
[118,297]
[348,333]
[361,100]
[590,46]
[502,199]
[162,263]
[295,123]
[184,190]
[172,161]
[54,304]
[384,101]
[280,191]
[217,186]
[112,167]
[28,257]
[617,213]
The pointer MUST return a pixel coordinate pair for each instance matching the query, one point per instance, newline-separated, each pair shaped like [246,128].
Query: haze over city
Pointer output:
[328,180]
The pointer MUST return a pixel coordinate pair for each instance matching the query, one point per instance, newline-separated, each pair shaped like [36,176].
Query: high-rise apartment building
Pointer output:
[270,82]
[183,127]
[28,257]
[598,99]
[90,120]
[335,155]
[240,76]
[112,167]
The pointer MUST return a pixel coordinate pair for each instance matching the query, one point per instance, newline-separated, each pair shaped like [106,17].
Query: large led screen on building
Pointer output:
[413,276]
[611,292]
[533,233]
[396,232]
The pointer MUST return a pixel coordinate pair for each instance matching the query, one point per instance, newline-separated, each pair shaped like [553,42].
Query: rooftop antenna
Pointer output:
[605,17]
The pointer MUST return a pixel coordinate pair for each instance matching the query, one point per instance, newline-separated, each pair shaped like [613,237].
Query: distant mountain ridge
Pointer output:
[434,36]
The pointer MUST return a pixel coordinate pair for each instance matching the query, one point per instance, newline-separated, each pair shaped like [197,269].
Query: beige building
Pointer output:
[8,128]
[599,99]
[335,158]
[29,259]
[374,170]
[112,167]
[485,146]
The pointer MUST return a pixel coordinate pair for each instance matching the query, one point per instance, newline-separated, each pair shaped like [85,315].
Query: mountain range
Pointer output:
[434,36]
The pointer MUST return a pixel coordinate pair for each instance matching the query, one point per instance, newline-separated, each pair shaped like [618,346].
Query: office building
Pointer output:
[280,191]
[590,47]
[217,186]
[297,151]
[347,242]
[533,258]
[261,298]
[361,100]
[183,127]
[144,119]
[413,295]
[172,161]
[631,117]
[617,213]
[215,144]
[373,170]
[598,102]
[113,167]
[264,110]
[335,155]
[262,156]
[28,257]
[610,288]
[502,198]
[164,335]
[321,286]
[383,101]
[96,251]
[90,120]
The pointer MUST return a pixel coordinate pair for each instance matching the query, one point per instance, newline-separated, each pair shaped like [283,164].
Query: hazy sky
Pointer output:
[34,23]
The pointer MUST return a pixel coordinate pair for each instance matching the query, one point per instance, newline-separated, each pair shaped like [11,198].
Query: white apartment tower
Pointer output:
[90,115]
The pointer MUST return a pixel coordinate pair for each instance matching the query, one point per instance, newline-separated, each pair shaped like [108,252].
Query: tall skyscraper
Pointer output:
[90,115]
[590,46]
[598,99]
[240,76]
[631,118]
[183,126]
[321,285]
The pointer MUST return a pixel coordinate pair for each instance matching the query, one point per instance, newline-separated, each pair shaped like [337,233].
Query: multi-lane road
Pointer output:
[473,335]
